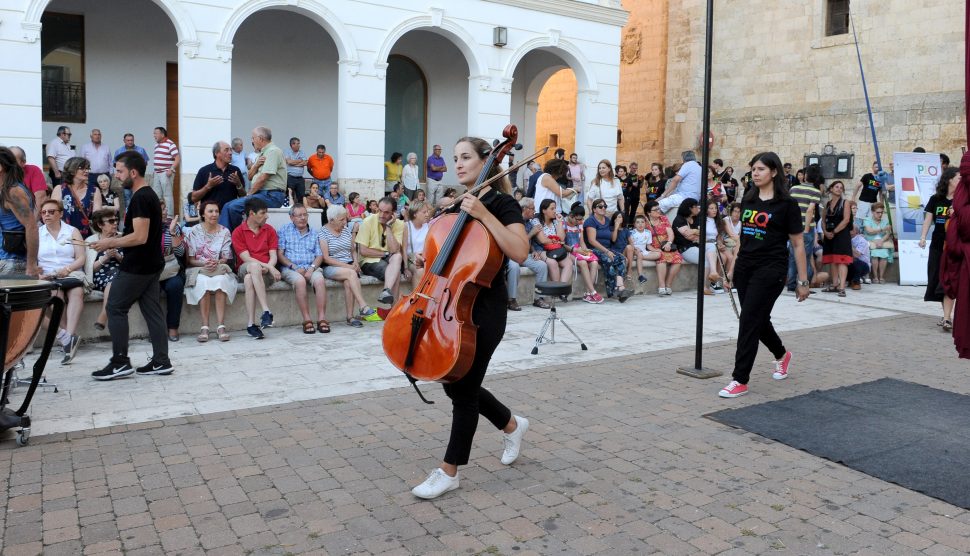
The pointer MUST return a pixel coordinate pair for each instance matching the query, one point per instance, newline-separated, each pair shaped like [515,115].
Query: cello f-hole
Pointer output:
[446,304]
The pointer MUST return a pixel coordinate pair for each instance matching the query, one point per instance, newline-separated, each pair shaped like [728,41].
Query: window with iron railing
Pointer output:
[62,68]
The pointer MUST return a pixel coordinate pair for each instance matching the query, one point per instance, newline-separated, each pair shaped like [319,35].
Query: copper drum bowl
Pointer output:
[27,300]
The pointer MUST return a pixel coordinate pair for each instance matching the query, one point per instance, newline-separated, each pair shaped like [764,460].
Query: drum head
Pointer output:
[22,295]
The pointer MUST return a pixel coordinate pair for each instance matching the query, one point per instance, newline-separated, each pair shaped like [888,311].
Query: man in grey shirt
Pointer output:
[685,185]
[295,165]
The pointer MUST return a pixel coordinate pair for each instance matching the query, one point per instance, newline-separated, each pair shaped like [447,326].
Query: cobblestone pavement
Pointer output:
[619,460]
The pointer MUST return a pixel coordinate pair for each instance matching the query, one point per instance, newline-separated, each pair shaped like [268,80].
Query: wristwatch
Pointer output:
[313,267]
[803,283]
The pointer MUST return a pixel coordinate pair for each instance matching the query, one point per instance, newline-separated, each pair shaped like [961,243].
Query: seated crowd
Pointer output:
[577,231]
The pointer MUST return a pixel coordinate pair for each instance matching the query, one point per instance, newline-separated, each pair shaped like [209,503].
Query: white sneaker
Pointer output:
[437,483]
[513,440]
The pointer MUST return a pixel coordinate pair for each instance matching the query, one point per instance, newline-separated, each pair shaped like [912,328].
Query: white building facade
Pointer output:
[364,78]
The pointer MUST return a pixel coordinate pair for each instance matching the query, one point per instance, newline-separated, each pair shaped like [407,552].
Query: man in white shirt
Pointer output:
[98,154]
[685,185]
[239,159]
[58,151]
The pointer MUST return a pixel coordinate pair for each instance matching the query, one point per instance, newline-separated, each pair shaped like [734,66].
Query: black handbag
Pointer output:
[15,242]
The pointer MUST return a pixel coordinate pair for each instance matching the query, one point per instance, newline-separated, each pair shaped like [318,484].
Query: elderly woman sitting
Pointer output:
[209,248]
[340,257]
[61,257]
[101,267]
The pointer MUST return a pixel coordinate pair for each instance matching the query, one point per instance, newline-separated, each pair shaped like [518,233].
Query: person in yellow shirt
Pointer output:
[392,171]
[382,247]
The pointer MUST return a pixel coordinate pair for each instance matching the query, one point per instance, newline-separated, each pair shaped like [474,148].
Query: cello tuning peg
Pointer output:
[495,143]
[518,146]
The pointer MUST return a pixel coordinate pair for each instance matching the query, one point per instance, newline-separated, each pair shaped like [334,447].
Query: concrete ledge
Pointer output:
[282,303]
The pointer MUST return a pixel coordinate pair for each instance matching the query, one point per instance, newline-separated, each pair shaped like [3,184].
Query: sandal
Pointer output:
[308,327]
[203,334]
[98,326]
[355,322]
[323,326]
[841,292]
[947,326]
[223,333]
[830,289]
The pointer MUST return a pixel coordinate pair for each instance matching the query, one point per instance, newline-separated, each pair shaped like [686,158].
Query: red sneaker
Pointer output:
[733,390]
[781,367]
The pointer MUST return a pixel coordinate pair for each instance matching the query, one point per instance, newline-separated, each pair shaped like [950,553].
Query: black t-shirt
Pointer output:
[870,189]
[631,187]
[655,189]
[222,193]
[146,258]
[680,241]
[765,227]
[939,207]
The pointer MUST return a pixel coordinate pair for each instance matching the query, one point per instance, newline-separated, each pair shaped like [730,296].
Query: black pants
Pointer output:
[857,271]
[631,205]
[126,289]
[298,185]
[468,398]
[758,289]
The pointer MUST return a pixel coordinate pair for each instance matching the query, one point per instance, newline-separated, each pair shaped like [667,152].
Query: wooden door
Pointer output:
[172,124]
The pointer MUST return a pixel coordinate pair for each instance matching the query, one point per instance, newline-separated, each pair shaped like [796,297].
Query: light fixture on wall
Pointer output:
[500,36]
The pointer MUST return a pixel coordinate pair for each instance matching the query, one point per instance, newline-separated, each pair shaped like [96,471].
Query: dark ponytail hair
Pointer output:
[943,185]
[12,173]
[772,161]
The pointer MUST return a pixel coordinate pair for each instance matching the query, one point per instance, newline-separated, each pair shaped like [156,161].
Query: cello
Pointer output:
[429,334]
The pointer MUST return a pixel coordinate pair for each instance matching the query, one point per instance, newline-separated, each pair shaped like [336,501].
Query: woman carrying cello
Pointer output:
[495,208]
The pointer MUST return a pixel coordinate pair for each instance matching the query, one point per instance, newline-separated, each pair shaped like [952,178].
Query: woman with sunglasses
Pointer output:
[599,236]
[61,257]
[80,199]
[102,267]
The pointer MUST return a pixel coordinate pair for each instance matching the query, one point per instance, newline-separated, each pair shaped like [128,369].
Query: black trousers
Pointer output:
[631,204]
[127,288]
[758,289]
[468,398]
[298,185]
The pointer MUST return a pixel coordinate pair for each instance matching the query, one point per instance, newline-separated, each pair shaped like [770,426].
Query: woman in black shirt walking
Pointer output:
[769,220]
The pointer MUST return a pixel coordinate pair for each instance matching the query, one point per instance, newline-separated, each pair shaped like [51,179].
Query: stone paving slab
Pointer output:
[291,366]
[619,460]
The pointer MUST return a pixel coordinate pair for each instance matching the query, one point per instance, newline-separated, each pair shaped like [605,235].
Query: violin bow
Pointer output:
[498,176]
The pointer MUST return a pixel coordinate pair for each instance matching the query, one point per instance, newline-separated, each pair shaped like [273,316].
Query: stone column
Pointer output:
[359,156]
[205,106]
[20,95]
[596,126]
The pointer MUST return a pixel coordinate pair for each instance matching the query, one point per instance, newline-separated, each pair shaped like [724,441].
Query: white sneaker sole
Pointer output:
[726,394]
[427,496]
[122,374]
[779,376]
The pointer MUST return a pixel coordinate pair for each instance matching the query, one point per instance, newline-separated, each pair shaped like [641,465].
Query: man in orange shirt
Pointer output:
[320,168]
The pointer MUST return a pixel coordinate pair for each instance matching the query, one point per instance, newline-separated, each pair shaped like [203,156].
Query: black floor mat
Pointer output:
[909,434]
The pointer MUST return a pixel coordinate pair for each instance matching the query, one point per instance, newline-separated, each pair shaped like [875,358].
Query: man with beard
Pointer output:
[137,279]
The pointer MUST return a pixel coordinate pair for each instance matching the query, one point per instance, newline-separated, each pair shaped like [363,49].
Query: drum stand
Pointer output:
[553,290]
[9,418]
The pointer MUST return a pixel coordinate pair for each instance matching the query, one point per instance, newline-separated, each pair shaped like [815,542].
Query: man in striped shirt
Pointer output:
[809,198]
[166,162]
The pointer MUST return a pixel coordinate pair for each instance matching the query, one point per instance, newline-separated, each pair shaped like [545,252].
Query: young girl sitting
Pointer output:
[586,260]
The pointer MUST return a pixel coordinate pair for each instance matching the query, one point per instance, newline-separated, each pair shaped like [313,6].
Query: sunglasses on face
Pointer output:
[110,220]
[599,207]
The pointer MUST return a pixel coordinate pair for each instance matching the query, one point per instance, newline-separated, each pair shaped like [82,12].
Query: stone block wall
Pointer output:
[557,113]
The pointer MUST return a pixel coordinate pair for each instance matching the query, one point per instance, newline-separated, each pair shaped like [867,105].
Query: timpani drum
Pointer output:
[23,304]
[26,300]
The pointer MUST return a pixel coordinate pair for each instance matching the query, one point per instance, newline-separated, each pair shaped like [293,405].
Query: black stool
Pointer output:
[552,290]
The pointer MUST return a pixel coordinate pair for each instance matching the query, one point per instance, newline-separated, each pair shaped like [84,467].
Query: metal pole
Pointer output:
[699,371]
